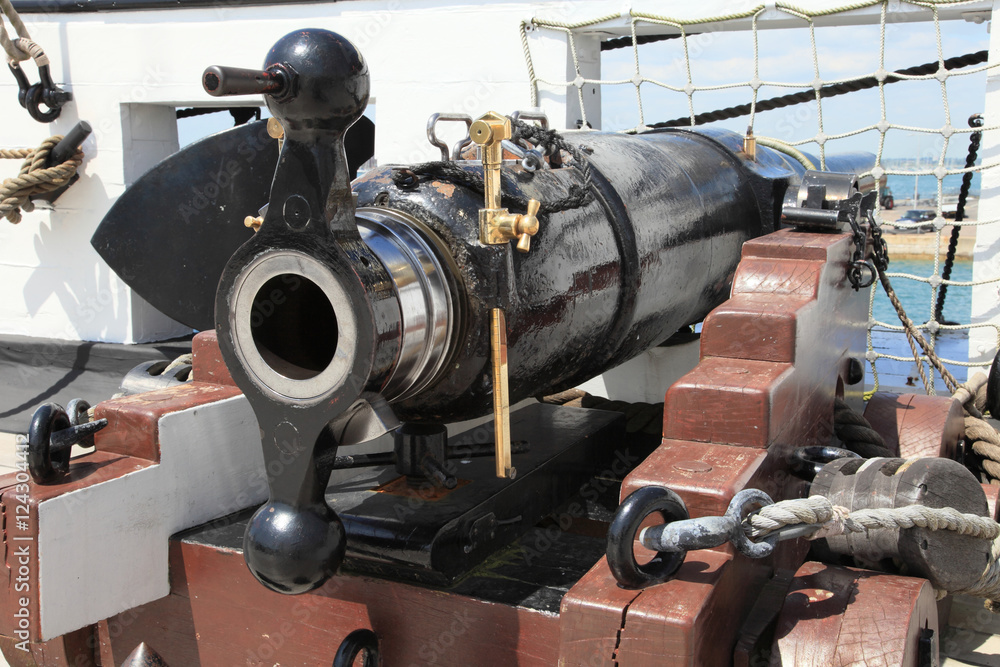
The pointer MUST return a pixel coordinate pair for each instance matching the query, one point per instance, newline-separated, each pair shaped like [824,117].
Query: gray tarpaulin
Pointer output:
[43,370]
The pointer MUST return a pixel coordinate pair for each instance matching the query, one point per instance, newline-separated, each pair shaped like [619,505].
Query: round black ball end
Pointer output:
[292,550]
[330,84]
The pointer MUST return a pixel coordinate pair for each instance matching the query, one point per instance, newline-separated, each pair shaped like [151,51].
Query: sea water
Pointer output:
[902,186]
[916,298]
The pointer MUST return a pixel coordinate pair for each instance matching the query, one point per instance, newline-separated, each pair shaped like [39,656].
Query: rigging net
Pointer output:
[655,87]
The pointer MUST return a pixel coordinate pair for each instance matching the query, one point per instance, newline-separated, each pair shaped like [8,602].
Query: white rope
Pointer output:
[988,586]
[182,360]
[836,520]
[819,509]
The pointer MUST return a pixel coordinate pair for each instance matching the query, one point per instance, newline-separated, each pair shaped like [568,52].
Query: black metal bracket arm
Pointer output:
[306,262]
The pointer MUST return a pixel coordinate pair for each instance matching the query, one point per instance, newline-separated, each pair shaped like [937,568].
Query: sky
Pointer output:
[786,56]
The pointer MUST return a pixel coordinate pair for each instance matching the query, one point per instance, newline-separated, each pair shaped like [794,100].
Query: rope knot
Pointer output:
[34,177]
[835,525]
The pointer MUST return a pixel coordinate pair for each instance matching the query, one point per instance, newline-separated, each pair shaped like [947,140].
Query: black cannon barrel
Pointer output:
[655,250]
[334,305]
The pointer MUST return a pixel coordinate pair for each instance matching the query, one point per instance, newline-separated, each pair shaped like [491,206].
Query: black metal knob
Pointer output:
[223,81]
[294,549]
[331,78]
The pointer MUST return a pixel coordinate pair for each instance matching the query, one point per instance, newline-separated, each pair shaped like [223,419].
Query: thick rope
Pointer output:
[857,434]
[182,360]
[17,49]
[23,47]
[988,586]
[914,337]
[830,90]
[979,433]
[34,177]
[986,443]
[836,520]
[972,395]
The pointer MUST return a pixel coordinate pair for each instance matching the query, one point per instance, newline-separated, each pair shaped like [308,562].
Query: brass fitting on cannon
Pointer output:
[496,224]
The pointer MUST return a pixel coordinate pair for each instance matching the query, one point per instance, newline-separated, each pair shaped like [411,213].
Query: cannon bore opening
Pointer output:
[294,326]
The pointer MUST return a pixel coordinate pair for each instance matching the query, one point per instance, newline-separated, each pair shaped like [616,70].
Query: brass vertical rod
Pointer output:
[501,395]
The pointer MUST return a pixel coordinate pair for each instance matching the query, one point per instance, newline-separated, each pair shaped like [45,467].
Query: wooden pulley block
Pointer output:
[916,425]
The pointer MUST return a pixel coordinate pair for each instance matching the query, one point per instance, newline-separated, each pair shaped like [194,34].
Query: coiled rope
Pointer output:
[34,177]
[857,434]
[980,434]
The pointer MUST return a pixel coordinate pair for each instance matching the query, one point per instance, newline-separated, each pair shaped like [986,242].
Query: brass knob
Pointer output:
[275,129]
[253,222]
[527,226]
[480,132]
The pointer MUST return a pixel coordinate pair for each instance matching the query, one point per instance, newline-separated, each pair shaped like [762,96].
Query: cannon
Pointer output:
[402,298]
[326,445]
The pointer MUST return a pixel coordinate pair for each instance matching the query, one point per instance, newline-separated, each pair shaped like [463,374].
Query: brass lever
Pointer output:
[497,225]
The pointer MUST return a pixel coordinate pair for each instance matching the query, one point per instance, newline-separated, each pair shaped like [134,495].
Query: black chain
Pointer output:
[548,140]
[975,120]
[852,210]
[880,251]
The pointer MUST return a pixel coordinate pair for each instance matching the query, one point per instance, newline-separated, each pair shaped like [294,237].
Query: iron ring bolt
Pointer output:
[358,642]
[51,437]
[806,462]
[672,540]
[78,411]
[713,531]
[624,528]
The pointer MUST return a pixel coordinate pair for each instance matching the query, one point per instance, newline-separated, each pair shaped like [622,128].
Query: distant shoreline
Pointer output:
[922,245]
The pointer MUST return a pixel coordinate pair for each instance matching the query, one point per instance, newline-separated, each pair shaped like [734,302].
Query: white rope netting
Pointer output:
[757,88]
